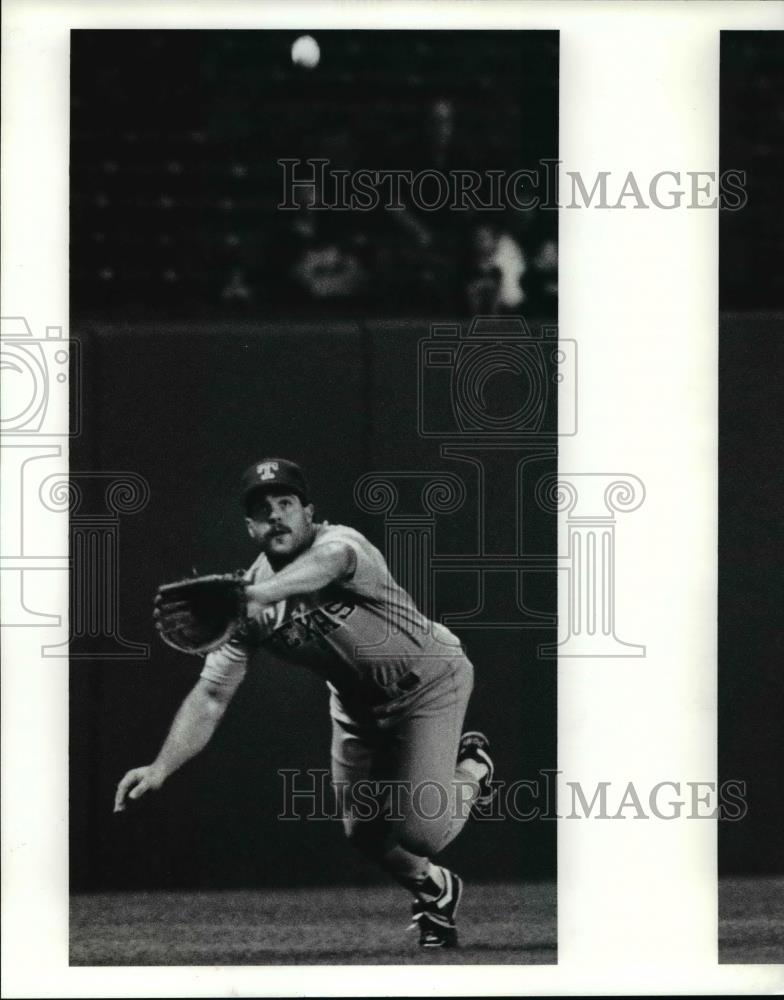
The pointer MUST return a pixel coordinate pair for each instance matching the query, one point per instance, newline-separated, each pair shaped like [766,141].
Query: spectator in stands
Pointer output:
[545,266]
[495,272]
[423,248]
[320,253]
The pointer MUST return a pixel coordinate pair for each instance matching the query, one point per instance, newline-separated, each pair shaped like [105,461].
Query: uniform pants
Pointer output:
[402,797]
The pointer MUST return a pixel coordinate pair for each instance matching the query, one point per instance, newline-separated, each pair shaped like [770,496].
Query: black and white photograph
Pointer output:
[316,302]
[391,498]
[751,691]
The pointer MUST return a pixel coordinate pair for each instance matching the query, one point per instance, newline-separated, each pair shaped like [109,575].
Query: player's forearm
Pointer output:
[193,726]
[311,571]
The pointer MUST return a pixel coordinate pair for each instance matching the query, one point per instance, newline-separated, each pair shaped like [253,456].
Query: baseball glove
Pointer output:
[199,614]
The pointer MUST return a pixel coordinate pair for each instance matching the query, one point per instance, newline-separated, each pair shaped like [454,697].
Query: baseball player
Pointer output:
[321,596]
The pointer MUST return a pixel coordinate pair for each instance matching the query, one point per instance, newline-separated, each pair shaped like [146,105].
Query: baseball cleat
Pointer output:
[435,918]
[473,746]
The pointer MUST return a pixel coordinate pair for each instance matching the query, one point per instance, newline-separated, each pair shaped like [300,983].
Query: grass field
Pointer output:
[751,919]
[499,924]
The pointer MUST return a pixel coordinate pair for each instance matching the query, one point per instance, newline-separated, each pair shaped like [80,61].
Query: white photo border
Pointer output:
[637,902]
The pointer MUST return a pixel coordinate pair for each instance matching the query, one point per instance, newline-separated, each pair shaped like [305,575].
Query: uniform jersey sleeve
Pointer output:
[371,572]
[227,665]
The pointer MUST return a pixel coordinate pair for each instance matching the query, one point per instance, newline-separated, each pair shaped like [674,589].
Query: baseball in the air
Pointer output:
[305,52]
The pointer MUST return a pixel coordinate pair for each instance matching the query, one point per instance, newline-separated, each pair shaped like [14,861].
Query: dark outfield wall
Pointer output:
[751,586]
[188,410]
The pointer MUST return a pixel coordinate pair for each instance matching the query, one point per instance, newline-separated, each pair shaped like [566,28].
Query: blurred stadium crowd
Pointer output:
[175,138]
[751,241]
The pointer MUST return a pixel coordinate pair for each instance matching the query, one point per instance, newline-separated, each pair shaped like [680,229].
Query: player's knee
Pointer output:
[424,842]
[424,836]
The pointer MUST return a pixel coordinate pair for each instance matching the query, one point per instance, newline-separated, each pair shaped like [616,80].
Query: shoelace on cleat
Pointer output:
[429,908]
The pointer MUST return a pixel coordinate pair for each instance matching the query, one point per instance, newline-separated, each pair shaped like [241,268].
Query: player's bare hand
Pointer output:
[135,784]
